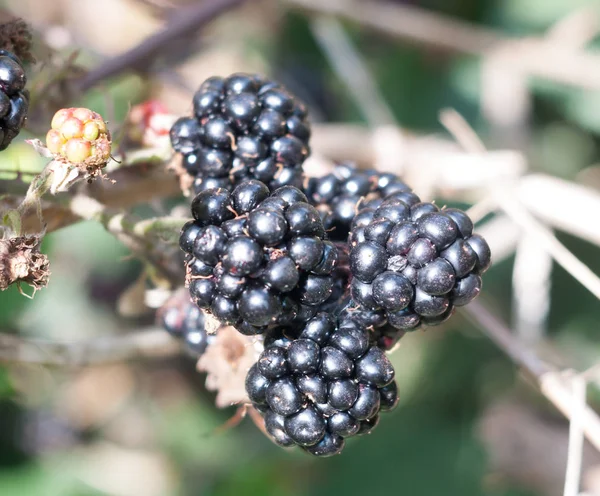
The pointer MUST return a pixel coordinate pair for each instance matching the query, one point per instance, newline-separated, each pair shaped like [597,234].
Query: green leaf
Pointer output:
[12,220]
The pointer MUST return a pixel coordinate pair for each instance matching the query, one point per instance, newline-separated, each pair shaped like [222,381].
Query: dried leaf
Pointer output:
[226,362]
[12,220]
[65,175]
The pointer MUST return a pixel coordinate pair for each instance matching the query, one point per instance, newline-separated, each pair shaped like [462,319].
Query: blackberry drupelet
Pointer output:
[14,98]
[184,320]
[243,127]
[381,333]
[338,195]
[258,260]
[415,263]
[321,385]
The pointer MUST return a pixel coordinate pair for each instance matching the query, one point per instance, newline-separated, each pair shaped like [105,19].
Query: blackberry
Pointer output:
[258,260]
[321,384]
[185,321]
[338,195]
[413,263]
[14,98]
[244,127]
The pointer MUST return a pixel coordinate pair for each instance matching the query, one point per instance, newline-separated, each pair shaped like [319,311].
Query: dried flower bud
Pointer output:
[21,261]
[15,36]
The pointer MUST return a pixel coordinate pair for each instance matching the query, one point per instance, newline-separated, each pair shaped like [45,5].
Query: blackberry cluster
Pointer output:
[14,98]
[338,195]
[243,127]
[414,262]
[331,271]
[322,385]
[184,320]
[257,260]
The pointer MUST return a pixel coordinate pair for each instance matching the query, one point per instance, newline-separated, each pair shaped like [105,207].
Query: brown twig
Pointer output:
[151,343]
[184,23]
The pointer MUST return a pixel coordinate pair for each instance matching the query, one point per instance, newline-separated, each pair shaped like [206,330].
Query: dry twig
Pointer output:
[152,343]
[553,384]
[576,437]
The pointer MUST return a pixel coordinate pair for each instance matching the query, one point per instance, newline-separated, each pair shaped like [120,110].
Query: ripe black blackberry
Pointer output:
[381,334]
[243,127]
[184,320]
[414,262]
[338,195]
[257,260]
[14,98]
[321,385]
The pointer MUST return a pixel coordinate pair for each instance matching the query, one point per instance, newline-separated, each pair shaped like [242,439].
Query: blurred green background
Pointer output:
[467,425]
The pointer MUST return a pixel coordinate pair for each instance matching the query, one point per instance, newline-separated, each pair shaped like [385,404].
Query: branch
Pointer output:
[542,57]
[185,23]
[139,235]
[151,343]
[510,204]
[554,385]
[134,185]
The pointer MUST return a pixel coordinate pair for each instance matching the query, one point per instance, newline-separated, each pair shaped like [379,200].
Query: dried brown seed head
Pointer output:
[21,261]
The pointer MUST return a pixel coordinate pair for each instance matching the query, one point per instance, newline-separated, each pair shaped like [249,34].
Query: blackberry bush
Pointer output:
[339,194]
[415,262]
[322,385]
[257,260]
[243,127]
[14,98]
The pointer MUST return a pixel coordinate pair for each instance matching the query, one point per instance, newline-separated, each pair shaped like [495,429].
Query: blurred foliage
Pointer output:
[429,446]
